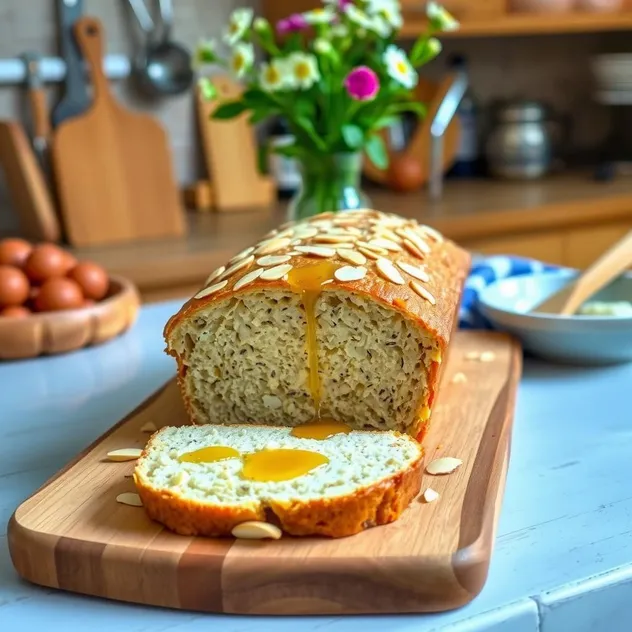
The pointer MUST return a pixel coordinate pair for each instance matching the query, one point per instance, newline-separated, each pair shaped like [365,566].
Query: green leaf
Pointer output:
[424,50]
[308,127]
[291,151]
[229,110]
[384,121]
[352,135]
[409,106]
[376,151]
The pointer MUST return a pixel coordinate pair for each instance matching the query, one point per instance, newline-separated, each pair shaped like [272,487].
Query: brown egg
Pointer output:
[46,262]
[88,302]
[57,294]
[91,278]
[14,251]
[14,286]
[405,173]
[15,311]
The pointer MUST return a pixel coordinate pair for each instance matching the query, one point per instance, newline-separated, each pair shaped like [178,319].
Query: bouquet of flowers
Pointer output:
[335,74]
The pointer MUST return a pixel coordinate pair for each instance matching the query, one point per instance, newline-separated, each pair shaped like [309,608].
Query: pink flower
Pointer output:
[362,84]
[291,24]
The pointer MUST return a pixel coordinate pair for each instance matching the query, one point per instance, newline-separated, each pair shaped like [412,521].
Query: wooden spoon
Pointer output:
[609,266]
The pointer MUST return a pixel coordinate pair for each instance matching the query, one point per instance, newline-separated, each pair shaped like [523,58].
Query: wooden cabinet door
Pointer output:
[582,246]
[547,247]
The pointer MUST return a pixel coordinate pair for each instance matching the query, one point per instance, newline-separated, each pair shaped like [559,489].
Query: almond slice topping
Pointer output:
[242,254]
[387,244]
[430,495]
[328,238]
[369,253]
[248,278]
[124,454]
[431,232]
[272,245]
[273,260]
[389,271]
[352,256]
[387,233]
[487,356]
[276,273]
[129,498]
[444,465]
[414,271]
[207,291]
[344,246]
[255,530]
[213,275]
[423,292]
[376,249]
[349,273]
[413,249]
[243,263]
[305,232]
[317,251]
[150,426]
[417,240]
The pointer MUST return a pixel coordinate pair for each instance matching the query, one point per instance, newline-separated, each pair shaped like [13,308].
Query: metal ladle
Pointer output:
[164,67]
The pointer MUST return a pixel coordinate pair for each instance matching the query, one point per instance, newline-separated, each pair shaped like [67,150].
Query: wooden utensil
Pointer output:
[49,333]
[39,109]
[609,266]
[73,535]
[76,99]
[27,188]
[230,153]
[112,166]
[418,147]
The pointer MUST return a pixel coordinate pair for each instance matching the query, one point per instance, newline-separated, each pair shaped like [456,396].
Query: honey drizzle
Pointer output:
[322,429]
[280,464]
[209,454]
[308,280]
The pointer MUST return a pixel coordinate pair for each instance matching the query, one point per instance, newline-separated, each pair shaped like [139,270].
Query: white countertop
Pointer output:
[563,553]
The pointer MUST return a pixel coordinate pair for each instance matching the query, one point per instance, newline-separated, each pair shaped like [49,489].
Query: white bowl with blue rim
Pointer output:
[579,339]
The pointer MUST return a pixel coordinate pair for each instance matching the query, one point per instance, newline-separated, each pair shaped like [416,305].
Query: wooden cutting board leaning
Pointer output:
[112,166]
[73,535]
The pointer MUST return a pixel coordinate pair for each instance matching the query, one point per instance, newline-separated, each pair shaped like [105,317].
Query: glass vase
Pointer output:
[329,182]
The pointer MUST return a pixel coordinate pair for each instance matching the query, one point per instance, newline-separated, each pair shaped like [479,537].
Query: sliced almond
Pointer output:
[276,273]
[369,253]
[272,245]
[349,273]
[124,454]
[273,233]
[255,530]
[248,278]
[376,249]
[487,356]
[389,271]
[430,495]
[387,244]
[149,426]
[129,498]
[343,229]
[352,256]
[316,251]
[273,260]
[344,246]
[386,233]
[459,378]
[242,254]
[321,224]
[207,291]
[473,355]
[288,232]
[413,249]
[414,271]
[444,465]
[328,238]
[431,232]
[296,242]
[305,232]
[243,263]
[423,292]
[216,273]
[418,241]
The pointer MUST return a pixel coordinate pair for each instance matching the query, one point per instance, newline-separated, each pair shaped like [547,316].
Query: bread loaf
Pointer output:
[358,480]
[345,316]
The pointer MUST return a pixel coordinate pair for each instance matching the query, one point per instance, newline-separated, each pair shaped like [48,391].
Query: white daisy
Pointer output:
[339,30]
[398,66]
[303,70]
[242,58]
[239,23]
[391,12]
[320,16]
[380,26]
[357,16]
[440,18]
[275,75]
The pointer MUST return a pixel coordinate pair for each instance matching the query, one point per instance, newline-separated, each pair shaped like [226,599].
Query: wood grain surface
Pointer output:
[113,167]
[73,535]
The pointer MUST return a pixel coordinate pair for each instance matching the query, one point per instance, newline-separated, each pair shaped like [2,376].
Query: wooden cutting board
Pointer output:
[73,535]
[112,166]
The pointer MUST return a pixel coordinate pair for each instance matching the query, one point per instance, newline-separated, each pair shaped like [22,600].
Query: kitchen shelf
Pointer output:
[528,24]
[475,213]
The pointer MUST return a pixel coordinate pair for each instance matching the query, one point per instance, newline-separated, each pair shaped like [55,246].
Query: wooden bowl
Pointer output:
[48,333]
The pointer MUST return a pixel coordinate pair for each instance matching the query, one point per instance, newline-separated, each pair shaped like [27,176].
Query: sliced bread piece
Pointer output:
[369,478]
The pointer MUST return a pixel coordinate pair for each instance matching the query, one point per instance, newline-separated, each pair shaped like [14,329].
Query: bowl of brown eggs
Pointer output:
[51,303]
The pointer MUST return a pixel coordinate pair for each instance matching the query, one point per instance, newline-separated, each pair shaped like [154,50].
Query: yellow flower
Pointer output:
[275,75]
[304,71]
[242,58]
[398,66]
[239,23]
